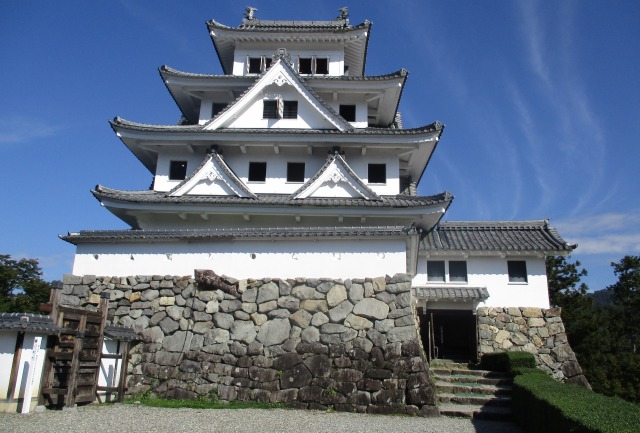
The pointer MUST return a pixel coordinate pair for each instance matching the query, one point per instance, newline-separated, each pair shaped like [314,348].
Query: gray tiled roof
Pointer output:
[290,25]
[27,322]
[122,333]
[166,70]
[230,234]
[495,236]
[148,196]
[456,294]
[119,122]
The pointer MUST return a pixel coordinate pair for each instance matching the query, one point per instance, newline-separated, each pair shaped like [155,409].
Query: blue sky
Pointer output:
[541,102]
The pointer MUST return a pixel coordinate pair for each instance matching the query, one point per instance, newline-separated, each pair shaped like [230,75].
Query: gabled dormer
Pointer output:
[335,179]
[279,99]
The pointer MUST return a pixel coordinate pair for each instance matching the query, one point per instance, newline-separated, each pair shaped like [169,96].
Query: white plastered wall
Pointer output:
[491,272]
[7,347]
[246,259]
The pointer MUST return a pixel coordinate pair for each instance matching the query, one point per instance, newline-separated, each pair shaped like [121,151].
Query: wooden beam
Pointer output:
[15,366]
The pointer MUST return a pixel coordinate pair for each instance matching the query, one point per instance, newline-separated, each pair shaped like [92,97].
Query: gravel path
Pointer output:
[134,418]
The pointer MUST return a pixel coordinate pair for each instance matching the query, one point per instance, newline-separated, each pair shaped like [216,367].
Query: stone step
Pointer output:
[476,411]
[475,399]
[469,372]
[472,388]
[482,380]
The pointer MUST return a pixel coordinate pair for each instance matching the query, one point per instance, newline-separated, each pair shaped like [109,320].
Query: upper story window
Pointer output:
[377,173]
[517,271]
[457,271]
[177,170]
[257,171]
[289,109]
[257,65]
[270,109]
[295,172]
[435,270]
[348,112]
[313,65]
[279,109]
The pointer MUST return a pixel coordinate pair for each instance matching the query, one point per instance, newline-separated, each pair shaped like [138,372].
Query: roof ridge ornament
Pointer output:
[344,13]
[248,13]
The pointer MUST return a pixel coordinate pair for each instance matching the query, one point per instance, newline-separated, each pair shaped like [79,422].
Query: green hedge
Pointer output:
[507,361]
[542,404]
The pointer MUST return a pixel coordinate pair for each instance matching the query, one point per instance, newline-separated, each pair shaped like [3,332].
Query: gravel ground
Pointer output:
[135,418]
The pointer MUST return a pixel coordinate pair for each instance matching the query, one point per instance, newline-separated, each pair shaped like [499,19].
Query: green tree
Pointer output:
[21,286]
[564,280]
[626,297]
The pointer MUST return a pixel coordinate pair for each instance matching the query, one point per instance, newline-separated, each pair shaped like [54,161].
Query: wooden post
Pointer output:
[124,369]
[70,397]
[15,366]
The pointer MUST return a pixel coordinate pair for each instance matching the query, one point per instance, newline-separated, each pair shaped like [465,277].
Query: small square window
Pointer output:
[304,65]
[270,110]
[348,112]
[290,110]
[257,171]
[458,271]
[295,172]
[377,173]
[177,170]
[322,66]
[517,271]
[255,65]
[435,270]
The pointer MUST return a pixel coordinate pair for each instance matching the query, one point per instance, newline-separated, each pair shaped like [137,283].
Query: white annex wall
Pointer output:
[491,272]
[246,259]
[7,347]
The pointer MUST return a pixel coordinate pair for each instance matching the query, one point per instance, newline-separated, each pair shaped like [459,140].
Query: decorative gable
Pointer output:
[335,179]
[280,84]
[213,177]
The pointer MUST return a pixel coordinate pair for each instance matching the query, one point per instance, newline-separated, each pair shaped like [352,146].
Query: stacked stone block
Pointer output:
[309,343]
[535,330]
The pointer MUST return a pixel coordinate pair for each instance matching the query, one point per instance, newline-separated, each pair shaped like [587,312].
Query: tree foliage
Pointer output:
[21,286]
[601,336]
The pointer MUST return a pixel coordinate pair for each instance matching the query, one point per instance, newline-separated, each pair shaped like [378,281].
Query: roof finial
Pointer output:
[344,13]
[248,12]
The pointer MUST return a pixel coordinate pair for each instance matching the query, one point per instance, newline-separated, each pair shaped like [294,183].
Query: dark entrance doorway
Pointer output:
[451,334]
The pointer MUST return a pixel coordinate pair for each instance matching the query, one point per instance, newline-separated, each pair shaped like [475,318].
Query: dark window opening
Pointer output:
[457,271]
[290,110]
[257,171]
[348,112]
[177,170]
[270,110]
[377,173]
[517,271]
[304,65]
[295,172]
[267,62]
[435,270]
[217,107]
[255,65]
[322,66]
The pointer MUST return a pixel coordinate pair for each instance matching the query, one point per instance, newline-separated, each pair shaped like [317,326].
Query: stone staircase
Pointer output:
[472,393]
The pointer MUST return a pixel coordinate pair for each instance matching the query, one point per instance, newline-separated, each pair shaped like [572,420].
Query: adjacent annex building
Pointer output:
[295,163]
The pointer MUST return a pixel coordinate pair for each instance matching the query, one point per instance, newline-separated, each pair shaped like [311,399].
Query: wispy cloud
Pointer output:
[609,233]
[21,130]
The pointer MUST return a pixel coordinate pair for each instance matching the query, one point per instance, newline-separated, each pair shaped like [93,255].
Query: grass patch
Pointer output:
[200,404]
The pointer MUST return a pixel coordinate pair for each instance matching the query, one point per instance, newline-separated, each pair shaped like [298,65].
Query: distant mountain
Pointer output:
[602,298]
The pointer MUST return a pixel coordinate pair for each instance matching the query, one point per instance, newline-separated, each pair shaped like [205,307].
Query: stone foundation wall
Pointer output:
[538,331]
[350,344]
